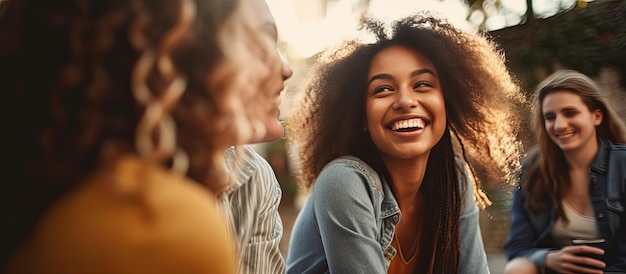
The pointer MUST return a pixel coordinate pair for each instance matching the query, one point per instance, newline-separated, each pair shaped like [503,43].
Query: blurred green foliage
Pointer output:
[583,38]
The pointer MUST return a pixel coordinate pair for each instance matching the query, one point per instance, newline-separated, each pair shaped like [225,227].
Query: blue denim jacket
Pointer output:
[347,224]
[530,232]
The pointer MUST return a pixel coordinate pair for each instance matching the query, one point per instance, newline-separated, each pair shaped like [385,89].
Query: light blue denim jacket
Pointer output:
[347,224]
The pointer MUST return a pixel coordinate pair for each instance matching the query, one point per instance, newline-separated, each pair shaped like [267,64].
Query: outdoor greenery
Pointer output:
[583,38]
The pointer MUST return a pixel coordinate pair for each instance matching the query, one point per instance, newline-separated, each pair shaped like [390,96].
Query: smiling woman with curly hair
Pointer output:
[384,136]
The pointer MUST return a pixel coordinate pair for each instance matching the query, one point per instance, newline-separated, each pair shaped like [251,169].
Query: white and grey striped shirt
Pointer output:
[251,206]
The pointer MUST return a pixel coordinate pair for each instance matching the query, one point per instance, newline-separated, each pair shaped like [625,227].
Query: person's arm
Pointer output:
[345,214]
[522,235]
[620,265]
[261,254]
[472,257]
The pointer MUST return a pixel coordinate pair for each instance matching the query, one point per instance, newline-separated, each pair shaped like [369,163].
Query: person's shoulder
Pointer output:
[345,180]
[349,164]
[619,148]
[246,164]
[532,155]
[466,182]
[257,168]
[349,161]
[463,171]
[255,159]
[614,156]
[348,172]
[245,157]
[133,219]
[256,175]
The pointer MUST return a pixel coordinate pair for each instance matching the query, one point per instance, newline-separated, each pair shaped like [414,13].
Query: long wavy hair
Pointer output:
[547,177]
[159,79]
[481,100]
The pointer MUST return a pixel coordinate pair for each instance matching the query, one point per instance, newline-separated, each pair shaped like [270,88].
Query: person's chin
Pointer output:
[274,132]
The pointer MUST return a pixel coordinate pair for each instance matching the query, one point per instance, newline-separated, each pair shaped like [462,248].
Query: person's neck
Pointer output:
[582,158]
[406,177]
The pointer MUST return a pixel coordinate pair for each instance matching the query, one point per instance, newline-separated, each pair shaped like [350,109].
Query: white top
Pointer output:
[579,227]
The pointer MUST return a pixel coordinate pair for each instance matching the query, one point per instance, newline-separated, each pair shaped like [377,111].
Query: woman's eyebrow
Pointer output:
[422,71]
[379,76]
[413,74]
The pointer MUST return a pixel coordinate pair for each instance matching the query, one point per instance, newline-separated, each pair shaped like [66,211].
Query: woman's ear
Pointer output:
[597,117]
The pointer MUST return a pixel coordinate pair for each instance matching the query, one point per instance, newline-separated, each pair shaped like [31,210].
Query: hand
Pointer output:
[569,260]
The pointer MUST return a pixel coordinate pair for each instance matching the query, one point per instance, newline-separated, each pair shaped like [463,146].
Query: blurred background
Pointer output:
[537,37]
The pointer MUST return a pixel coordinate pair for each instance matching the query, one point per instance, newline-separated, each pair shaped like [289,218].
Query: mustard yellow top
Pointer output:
[399,264]
[130,217]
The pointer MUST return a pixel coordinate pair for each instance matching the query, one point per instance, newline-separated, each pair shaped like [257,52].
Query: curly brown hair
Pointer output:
[483,108]
[160,79]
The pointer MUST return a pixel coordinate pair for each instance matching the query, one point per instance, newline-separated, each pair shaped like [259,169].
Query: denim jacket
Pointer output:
[530,232]
[347,224]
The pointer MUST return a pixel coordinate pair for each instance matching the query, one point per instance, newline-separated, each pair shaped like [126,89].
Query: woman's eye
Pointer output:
[381,89]
[422,84]
[570,113]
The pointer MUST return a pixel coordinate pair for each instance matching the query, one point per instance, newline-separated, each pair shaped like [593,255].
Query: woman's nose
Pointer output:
[405,100]
[287,71]
[560,122]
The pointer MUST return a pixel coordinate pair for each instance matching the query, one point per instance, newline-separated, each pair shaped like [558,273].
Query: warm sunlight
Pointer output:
[310,26]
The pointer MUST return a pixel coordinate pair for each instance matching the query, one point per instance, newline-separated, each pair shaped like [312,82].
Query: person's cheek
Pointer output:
[254,101]
[274,129]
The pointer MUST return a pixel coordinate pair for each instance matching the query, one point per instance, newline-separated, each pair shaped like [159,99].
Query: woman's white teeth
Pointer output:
[411,123]
[565,135]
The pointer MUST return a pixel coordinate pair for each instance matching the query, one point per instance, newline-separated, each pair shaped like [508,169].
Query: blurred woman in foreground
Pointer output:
[115,110]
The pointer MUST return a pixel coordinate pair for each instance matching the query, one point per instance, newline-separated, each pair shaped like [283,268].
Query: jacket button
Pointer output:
[390,252]
[600,215]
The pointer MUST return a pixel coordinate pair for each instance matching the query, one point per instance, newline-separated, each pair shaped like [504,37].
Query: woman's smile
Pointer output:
[408,125]
[405,109]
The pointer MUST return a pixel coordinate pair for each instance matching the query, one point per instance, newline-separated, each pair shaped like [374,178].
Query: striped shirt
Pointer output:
[251,206]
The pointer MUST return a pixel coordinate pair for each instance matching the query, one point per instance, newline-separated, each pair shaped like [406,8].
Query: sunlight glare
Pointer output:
[455,11]
[308,36]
